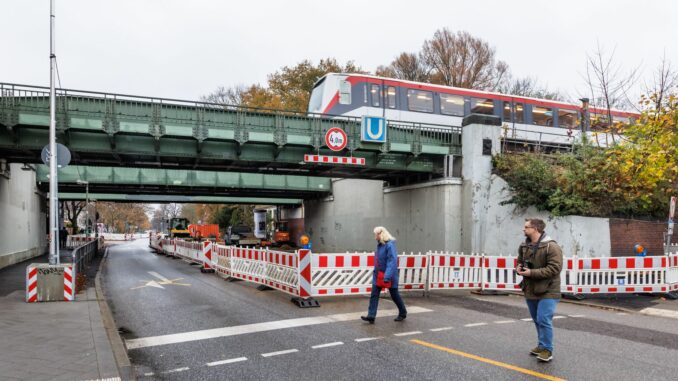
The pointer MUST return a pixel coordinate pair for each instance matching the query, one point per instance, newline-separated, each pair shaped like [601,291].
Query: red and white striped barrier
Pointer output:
[498,273]
[248,264]
[69,283]
[454,271]
[32,280]
[321,159]
[73,241]
[618,275]
[31,284]
[672,273]
[306,275]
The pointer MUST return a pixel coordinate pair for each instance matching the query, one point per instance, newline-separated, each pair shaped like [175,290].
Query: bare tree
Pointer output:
[664,80]
[73,210]
[462,60]
[232,96]
[607,83]
[407,66]
[528,87]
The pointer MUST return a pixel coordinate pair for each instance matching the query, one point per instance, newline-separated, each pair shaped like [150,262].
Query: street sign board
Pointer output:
[336,139]
[672,207]
[373,129]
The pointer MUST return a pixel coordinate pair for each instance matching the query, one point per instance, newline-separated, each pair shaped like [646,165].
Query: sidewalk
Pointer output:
[55,340]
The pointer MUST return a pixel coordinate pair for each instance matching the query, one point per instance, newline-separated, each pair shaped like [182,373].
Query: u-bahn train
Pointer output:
[528,119]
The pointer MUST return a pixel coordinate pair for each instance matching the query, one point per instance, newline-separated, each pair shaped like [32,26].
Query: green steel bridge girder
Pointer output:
[176,182]
[156,198]
[151,129]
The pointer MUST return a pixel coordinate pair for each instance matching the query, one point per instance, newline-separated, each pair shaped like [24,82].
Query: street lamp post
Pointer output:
[86,183]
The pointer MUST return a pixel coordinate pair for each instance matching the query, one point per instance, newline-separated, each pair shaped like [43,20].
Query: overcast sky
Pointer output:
[185,49]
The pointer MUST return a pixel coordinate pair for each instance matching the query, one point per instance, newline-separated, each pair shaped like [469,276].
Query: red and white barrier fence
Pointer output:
[32,282]
[305,274]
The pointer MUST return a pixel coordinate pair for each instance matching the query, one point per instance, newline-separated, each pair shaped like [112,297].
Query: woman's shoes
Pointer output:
[368,319]
[400,318]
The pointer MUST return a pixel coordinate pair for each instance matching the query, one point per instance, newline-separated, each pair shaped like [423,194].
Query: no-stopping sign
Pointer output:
[336,139]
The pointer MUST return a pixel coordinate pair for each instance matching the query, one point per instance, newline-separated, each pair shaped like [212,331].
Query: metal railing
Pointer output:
[82,255]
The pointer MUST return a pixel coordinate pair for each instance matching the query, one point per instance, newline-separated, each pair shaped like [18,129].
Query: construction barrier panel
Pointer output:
[305,274]
[448,271]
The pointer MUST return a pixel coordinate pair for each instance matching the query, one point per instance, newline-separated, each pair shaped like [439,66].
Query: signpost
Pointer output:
[373,129]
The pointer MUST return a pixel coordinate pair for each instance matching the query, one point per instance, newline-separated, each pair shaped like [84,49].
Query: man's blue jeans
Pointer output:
[542,311]
[374,301]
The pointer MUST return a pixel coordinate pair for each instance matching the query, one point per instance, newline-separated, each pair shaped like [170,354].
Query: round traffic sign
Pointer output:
[336,139]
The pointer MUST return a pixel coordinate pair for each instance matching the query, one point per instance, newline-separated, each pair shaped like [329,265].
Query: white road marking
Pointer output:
[504,321]
[407,333]
[149,374]
[526,319]
[659,312]
[559,317]
[327,345]
[474,324]
[360,340]
[279,352]
[184,337]
[622,313]
[576,316]
[229,361]
[162,278]
[177,370]
[441,329]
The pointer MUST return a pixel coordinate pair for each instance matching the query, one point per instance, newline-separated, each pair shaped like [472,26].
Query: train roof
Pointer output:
[473,92]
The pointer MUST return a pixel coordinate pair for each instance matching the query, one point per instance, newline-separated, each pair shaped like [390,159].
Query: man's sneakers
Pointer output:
[400,318]
[545,355]
[535,351]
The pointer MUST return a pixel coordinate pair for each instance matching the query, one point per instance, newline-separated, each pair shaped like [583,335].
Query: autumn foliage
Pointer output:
[634,178]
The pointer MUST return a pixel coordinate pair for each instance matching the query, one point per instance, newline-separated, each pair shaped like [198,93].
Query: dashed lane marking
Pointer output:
[149,374]
[278,353]
[177,370]
[407,333]
[504,321]
[327,345]
[441,329]
[559,317]
[474,324]
[184,337]
[229,361]
[526,319]
[487,361]
[360,340]
[576,316]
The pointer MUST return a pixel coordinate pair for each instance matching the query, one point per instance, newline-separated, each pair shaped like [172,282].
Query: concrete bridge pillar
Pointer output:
[480,140]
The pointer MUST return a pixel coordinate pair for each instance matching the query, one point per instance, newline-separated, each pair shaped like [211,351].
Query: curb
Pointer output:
[119,351]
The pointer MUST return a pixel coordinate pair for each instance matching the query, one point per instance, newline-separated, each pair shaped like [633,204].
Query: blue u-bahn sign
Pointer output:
[373,129]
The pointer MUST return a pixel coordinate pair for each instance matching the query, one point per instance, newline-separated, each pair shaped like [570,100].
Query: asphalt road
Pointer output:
[181,324]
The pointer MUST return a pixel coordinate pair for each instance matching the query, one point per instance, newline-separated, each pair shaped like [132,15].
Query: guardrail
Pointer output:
[305,275]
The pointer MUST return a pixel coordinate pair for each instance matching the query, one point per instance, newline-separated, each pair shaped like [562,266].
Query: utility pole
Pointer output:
[53,181]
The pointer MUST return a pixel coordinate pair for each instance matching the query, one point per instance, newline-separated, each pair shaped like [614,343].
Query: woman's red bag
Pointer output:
[380,275]
[380,280]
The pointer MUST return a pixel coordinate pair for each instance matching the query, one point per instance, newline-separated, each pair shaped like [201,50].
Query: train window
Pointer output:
[518,115]
[567,118]
[418,100]
[482,106]
[598,121]
[391,97]
[452,104]
[375,93]
[542,116]
[345,92]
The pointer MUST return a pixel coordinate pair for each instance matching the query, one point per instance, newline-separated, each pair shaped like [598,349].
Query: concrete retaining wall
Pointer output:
[23,218]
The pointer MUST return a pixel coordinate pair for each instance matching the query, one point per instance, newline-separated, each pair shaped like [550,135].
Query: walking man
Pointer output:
[540,261]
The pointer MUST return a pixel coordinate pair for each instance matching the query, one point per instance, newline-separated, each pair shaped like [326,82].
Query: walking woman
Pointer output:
[385,275]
